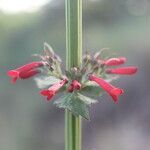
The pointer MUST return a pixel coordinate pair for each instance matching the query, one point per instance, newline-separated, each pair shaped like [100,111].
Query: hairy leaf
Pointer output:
[74,103]
[86,99]
[44,81]
[92,90]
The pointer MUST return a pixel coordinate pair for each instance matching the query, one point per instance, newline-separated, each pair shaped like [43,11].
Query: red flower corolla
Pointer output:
[29,74]
[114,92]
[75,85]
[123,71]
[115,61]
[53,89]
[25,71]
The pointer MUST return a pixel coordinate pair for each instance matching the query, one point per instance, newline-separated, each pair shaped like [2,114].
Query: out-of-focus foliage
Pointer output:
[27,122]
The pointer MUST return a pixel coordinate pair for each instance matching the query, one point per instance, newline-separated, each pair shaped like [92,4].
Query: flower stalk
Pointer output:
[74,59]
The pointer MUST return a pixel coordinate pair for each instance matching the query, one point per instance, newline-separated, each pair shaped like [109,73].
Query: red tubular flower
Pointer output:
[29,74]
[115,61]
[25,71]
[53,89]
[123,71]
[114,92]
[70,89]
[75,85]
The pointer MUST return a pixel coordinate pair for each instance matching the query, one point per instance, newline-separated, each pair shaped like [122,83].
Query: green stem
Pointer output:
[74,59]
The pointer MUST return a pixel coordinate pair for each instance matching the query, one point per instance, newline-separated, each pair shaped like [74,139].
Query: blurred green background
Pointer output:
[28,122]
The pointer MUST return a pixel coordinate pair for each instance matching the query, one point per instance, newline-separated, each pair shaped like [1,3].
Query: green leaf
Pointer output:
[44,81]
[92,90]
[69,74]
[64,101]
[74,74]
[86,99]
[80,108]
[74,103]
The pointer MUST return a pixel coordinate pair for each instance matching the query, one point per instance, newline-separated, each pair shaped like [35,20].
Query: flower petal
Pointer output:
[30,66]
[53,89]
[14,75]
[26,75]
[47,93]
[123,71]
[110,89]
[115,93]
[115,61]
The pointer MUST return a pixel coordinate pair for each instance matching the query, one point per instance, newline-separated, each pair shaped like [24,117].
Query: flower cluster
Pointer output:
[94,73]
[106,67]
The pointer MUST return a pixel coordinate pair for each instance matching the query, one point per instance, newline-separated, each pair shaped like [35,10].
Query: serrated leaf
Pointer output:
[86,99]
[92,90]
[64,101]
[72,102]
[80,108]
[44,81]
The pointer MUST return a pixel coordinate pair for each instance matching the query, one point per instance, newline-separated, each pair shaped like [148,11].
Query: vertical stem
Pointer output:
[74,59]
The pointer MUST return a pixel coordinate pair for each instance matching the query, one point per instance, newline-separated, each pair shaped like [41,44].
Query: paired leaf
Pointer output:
[77,103]
[44,81]
[92,90]
[86,99]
